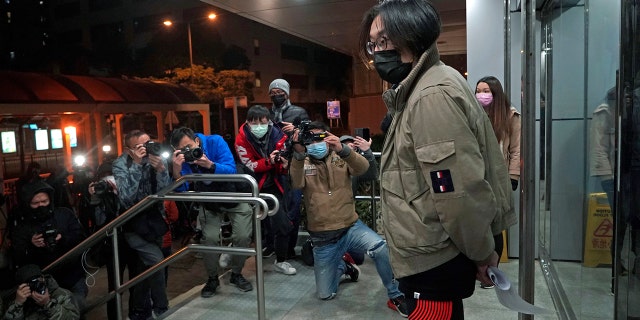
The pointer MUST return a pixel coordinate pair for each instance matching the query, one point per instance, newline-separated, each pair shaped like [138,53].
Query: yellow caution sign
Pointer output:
[599,232]
[505,256]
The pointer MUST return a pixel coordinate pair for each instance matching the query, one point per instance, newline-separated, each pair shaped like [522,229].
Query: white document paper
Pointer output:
[508,296]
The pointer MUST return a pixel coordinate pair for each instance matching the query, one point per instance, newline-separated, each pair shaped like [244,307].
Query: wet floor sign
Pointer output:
[598,232]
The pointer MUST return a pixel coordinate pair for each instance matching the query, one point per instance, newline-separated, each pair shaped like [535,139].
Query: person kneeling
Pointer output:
[322,167]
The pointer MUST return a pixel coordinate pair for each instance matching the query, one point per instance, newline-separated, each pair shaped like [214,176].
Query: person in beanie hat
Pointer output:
[282,111]
[38,296]
[43,233]
[284,115]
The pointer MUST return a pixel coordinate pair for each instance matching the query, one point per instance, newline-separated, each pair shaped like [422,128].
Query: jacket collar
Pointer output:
[395,98]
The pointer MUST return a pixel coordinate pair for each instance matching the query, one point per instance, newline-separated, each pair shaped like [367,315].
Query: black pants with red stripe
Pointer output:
[437,294]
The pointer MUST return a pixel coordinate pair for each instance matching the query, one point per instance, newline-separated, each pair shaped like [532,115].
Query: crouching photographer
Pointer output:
[43,233]
[214,157]
[38,296]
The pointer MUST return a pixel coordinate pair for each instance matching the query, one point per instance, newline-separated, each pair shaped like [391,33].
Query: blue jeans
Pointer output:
[329,266]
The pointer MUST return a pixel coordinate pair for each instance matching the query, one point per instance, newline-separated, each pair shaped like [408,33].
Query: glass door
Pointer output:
[627,185]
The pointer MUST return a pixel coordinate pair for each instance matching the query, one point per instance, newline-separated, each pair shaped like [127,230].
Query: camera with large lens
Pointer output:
[49,234]
[306,136]
[38,285]
[191,155]
[153,148]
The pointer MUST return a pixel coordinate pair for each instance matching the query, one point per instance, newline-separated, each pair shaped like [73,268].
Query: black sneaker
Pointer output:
[210,288]
[267,252]
[241,282]
[399,304]
[352,269]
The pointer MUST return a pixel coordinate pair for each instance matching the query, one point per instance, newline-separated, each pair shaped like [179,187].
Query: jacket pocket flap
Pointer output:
[436,152]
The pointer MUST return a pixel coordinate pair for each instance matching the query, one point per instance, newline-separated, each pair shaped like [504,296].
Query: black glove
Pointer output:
[514,184]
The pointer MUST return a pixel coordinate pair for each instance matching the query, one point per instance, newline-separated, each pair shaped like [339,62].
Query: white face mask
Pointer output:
[259,130]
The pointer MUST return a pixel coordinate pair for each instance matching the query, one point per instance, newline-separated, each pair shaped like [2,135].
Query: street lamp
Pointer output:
[169,23]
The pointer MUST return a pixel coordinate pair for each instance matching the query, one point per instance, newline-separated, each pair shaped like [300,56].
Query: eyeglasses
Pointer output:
[381,44]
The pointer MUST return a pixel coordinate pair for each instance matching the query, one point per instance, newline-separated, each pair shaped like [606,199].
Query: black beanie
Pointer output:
[28,272]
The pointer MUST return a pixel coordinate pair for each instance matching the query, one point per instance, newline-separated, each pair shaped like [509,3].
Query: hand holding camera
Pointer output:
[38,285]
[35,289]
[47,238]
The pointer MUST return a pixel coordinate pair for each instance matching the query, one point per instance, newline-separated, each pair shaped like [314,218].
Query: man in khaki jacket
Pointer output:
[322,167]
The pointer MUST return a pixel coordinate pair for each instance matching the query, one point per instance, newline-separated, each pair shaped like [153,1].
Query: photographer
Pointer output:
[101,206]
[197,153]
[102,203]
[257,146]
[43,233]
[322,167]
[139,172]
[38,296]
[284,115]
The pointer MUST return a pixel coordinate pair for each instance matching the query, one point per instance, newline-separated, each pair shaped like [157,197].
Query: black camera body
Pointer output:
[101,187]
[100,190]
[38,285]
[191,155]
[153,148]
[49,234]
[306,136]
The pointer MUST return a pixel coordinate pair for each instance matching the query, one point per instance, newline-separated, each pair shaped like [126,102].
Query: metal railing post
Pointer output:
[259,212]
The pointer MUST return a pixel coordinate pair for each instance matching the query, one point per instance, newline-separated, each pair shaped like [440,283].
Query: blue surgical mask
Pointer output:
[318,150]
[259,130]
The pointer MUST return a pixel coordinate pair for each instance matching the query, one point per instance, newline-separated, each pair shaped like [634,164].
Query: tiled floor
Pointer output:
[293,297]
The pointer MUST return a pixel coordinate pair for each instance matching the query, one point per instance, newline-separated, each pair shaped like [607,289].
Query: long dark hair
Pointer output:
[499,111]
[413,25]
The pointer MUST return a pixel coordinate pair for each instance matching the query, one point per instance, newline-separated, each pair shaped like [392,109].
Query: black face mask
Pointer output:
[278,99]
[40,214]
[390,67]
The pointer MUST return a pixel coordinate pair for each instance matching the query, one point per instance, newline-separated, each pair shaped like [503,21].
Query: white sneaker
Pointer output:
[284,267]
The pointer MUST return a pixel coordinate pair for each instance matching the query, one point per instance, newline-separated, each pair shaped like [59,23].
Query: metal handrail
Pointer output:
[168,193]
[372,197]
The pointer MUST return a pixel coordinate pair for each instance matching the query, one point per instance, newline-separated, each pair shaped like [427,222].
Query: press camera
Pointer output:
[49,234]
[191,155]
[306,136]
[153,148]
[38,285]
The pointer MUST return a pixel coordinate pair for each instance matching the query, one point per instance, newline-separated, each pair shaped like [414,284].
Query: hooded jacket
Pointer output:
[326,185]
[253,156]
[444,184]
[63,220]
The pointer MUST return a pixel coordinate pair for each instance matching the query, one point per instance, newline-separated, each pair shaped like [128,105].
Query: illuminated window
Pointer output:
[8,142]
[56,139]
[42,139]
